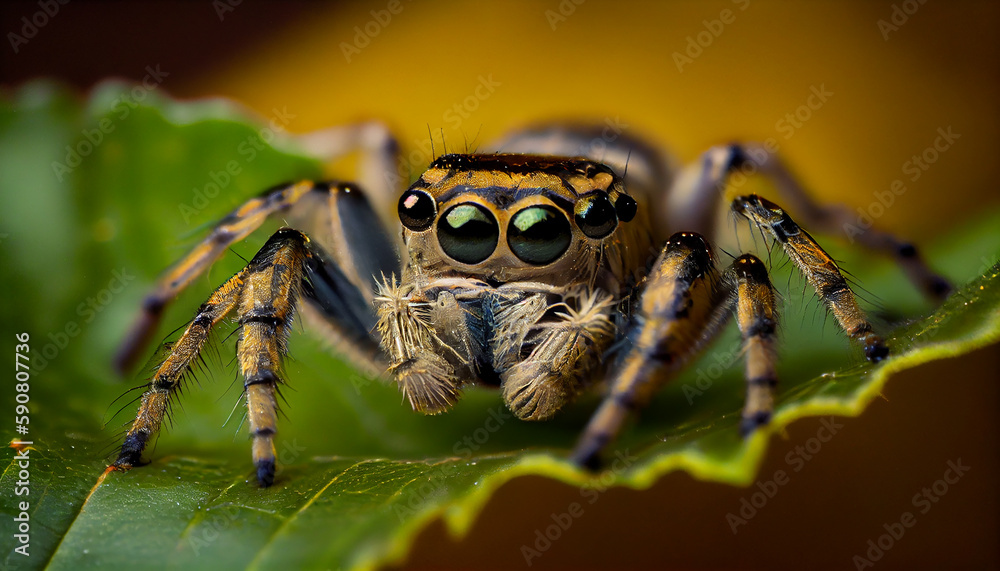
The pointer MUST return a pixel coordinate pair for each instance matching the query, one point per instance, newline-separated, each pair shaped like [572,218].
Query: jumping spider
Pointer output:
[539,270]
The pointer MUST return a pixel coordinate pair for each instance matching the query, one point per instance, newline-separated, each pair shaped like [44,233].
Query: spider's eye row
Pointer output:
[417,210]
[468,233]
[596,216]
[539,235]
[626,207]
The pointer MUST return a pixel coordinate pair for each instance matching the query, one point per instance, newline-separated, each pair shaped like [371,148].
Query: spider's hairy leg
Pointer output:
[169,374]
[266,309]
[757,317]
[679,312]
[564,348]
[263,295]
[239,224]
[699,192]
[819,269]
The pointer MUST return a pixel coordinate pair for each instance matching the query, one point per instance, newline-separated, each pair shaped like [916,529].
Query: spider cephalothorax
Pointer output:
[536,271]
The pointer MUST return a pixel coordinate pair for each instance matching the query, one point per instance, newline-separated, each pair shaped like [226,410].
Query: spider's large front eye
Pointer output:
[417,210]
[468,233]
[538,235]
[596,216]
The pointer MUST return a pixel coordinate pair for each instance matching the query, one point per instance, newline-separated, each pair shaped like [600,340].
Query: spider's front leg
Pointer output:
[678,313]
[683,307]
[757,317]
[819,269]
[263,296]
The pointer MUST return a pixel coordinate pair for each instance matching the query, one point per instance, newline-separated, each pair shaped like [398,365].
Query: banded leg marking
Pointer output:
[677,316]
[819,269]
[266,311]
[757,317]
[168,375]
[264,295]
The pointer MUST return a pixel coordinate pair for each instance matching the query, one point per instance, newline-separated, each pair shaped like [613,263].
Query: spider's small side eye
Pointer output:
[417,210]
[539,235]
[596,216]
[468,233]
[626,207]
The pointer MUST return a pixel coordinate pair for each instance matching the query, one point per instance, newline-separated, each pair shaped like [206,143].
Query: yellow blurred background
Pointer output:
[891,89]
[687,75]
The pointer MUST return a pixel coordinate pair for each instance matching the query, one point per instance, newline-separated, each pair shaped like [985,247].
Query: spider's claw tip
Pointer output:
[265,472]
[130,453]
[750,424]
[587,458]
[876,352]
[940,288]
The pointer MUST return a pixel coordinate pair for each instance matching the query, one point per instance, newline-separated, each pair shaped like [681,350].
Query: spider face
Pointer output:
[537,274]
[512,217]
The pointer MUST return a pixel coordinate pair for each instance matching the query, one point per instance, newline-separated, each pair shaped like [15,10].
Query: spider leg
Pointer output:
[699,190]
[680,310]
[757,317]
[273,273]
[264,296]
[169,374]
[684,306]
[347,224]
[266,309]
[819,269]
[341,310]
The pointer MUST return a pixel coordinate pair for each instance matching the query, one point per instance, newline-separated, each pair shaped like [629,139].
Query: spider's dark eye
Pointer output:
[596,216]
[468,233]
[538,235]
[417,210]
[626,207]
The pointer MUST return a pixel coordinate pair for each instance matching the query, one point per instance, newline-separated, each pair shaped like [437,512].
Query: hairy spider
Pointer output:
[536,270]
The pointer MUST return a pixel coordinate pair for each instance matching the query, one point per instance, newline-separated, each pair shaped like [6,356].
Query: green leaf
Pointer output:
[359,474]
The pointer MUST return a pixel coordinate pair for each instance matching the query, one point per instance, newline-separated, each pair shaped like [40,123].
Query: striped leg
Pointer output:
[263,295]
[678,313]
[166,380]
[819,269]
[757,318]
[266,310]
